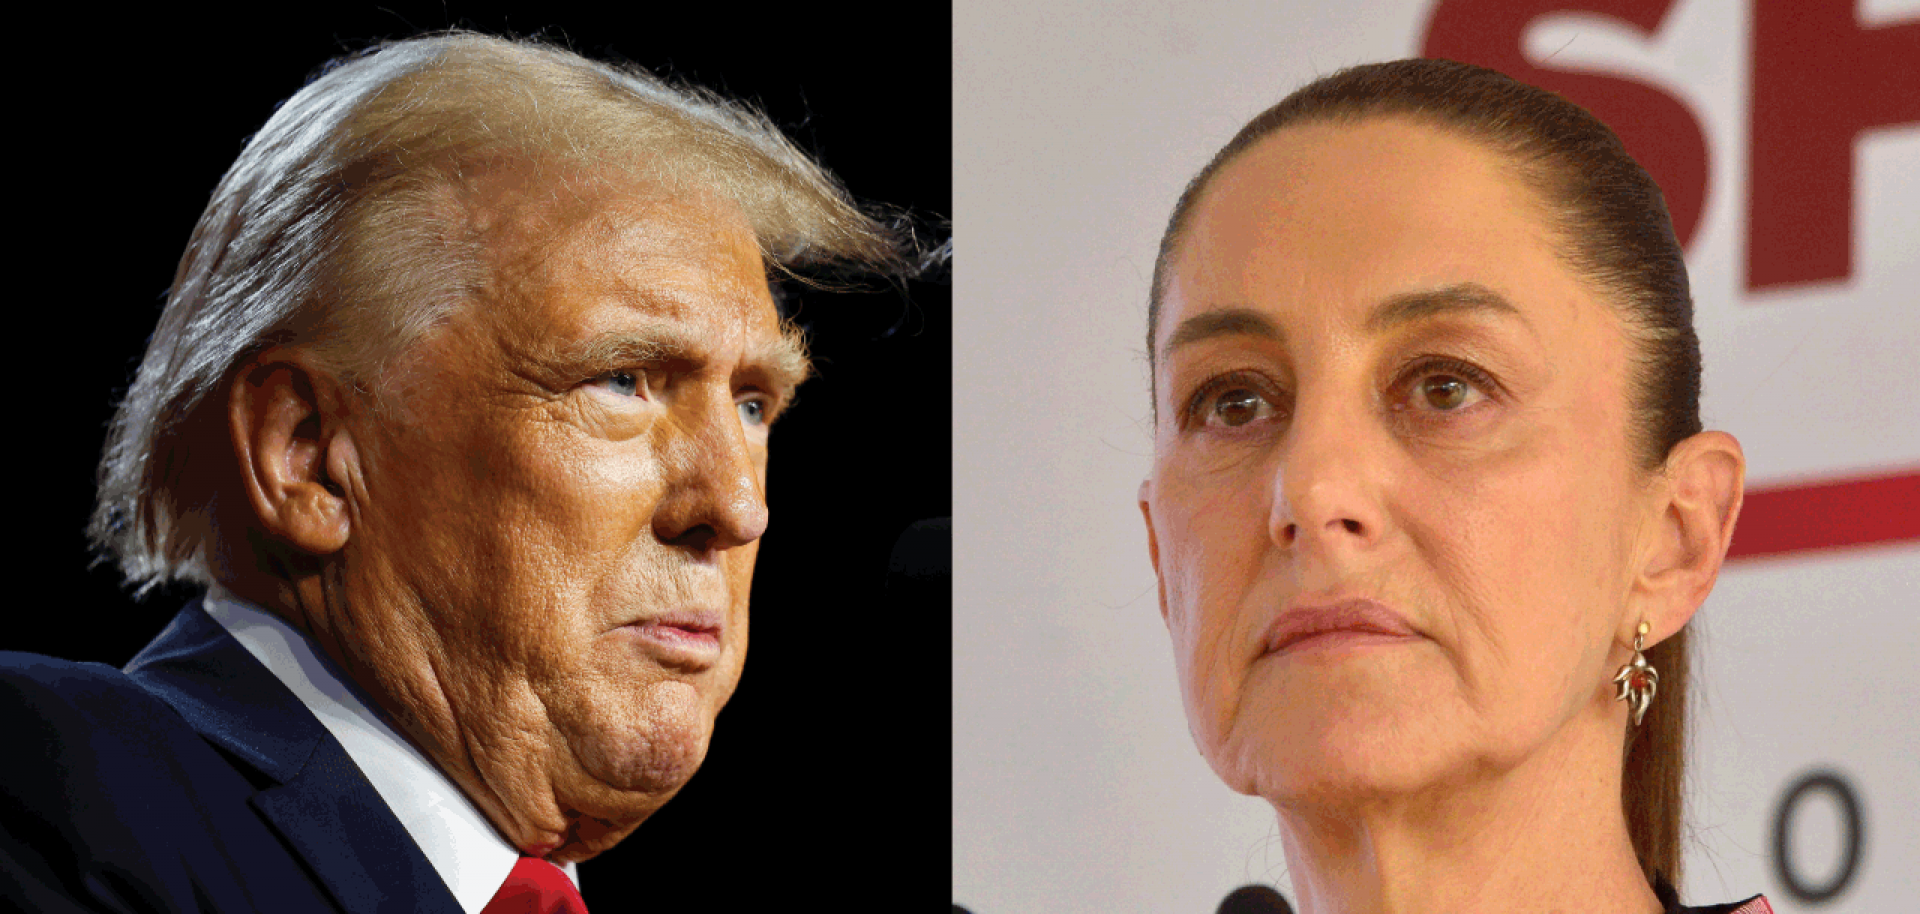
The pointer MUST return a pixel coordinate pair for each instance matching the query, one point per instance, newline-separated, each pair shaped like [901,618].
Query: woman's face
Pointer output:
[1387,410]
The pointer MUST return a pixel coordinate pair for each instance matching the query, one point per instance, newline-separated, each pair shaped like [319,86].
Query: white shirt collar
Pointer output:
[470,856]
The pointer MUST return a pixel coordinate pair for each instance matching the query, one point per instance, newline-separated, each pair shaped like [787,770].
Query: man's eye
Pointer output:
[753,412]
[623,383]
[1238,406]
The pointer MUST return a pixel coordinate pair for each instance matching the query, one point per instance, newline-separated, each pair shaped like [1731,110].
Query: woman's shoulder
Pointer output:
[1671,899]
[1755,905]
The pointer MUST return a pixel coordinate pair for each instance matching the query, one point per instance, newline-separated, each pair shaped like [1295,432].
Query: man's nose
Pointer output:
[1329,483]
[715,498]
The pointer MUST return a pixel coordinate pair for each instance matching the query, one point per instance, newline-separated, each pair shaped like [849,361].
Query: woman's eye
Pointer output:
[1448,388]
[1239,406]
[1445,392]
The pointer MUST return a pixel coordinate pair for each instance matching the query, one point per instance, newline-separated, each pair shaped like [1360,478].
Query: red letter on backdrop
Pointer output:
[1660,133]
[1819,81]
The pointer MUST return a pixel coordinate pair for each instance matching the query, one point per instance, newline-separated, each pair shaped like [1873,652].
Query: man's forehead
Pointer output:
[725,298]
[696,312]
[527,213]
[732,319]
[535,228]
[628,273]
[673,255]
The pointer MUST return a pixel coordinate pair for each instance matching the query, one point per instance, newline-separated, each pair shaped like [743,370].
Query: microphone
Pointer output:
[920,572]
[1254,899]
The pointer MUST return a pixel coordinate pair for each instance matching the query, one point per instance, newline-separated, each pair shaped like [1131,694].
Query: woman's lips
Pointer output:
[1343,623]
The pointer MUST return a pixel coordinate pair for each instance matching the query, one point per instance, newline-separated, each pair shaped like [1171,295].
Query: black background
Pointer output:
[826,782]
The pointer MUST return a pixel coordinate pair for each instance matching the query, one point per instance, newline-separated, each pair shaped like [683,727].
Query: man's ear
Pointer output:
[295,454]
[1153,543]
[1699,501]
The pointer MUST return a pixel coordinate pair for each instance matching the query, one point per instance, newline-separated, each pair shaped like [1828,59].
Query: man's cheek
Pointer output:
[740,561]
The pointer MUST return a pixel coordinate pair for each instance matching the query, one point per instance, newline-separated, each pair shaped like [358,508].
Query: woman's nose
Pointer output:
[1328,482]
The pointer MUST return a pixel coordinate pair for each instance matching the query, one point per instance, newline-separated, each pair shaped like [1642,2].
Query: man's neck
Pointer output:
[1548,834]
[528,815]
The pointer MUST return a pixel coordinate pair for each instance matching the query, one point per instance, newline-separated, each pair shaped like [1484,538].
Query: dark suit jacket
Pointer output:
[191,781]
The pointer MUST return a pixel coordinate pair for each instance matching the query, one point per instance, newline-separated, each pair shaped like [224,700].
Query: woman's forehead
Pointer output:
[1325,222]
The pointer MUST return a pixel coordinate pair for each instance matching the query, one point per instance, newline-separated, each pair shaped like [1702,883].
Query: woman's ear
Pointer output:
[1698,503]
[1153,543]
[293,450]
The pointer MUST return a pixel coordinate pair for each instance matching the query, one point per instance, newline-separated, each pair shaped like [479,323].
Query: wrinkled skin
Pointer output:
[580,452]
[1464,462]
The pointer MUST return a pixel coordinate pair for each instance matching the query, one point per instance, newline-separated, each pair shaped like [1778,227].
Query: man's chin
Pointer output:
[615,789]
[650,750]
[659,768]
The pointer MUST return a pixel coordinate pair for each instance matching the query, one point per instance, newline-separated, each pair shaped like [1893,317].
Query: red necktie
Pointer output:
[536,887]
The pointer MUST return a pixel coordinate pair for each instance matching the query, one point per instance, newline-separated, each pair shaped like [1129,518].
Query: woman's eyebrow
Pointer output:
[1460,298]
[1220,322]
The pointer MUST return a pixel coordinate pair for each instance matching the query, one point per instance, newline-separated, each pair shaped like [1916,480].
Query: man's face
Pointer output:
[1378,381]
[550,561]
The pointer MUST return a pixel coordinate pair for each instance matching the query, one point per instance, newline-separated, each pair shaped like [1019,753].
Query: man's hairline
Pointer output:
[562,202]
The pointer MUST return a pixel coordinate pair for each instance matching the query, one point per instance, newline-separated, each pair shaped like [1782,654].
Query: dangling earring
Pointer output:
[1637,680]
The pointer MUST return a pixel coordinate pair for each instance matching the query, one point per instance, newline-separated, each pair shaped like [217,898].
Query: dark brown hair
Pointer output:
[1614,232]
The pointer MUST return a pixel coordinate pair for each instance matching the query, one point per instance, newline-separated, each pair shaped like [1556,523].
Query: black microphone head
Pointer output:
[1254,899]
[923,554]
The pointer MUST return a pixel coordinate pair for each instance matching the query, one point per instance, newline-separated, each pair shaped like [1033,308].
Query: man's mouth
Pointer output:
[683,639]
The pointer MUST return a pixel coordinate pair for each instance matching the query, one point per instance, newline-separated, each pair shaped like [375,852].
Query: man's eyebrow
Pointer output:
[784,359]
[1460,298]
[618,349]
[781,362]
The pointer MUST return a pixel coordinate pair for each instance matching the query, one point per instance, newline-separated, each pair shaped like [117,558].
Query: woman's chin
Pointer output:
[1307,755]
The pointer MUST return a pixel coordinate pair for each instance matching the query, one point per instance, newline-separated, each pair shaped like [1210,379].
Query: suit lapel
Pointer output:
[319,801]
[338,823]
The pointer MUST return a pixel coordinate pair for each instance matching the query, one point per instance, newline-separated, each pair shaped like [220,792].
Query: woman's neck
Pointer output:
[1547,834]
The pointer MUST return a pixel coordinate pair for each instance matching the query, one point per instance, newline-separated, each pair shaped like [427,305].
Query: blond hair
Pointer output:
[345,226]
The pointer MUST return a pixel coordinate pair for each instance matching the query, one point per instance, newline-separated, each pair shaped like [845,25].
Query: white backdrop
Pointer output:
[1075,785]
